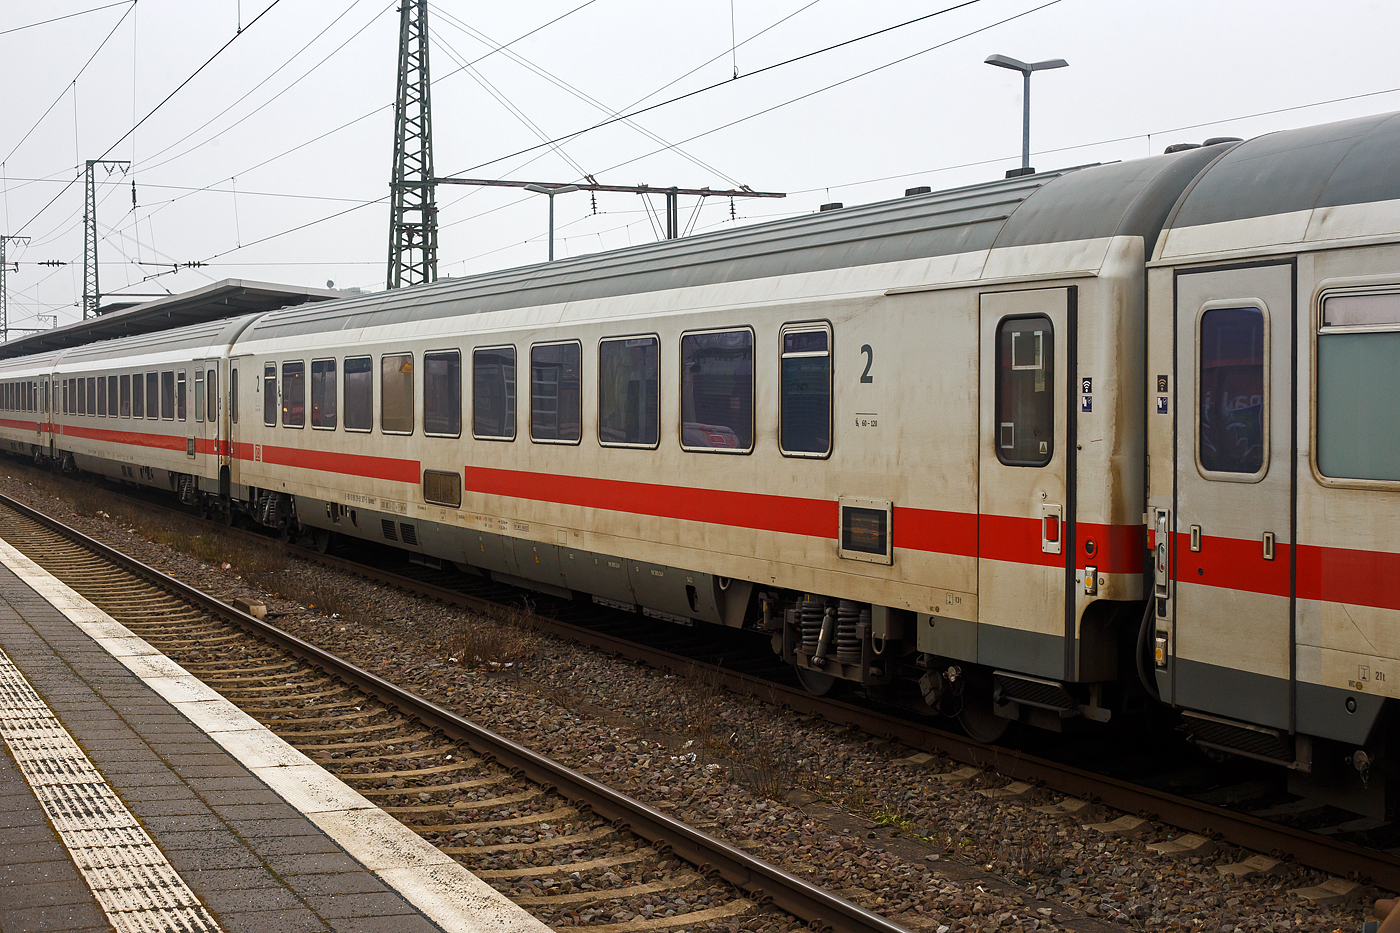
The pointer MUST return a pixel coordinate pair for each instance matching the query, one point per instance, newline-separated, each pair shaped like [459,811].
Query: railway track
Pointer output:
[1313,849]
[568,848]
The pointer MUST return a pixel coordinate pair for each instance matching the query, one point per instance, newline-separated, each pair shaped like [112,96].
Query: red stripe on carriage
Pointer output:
[389,468]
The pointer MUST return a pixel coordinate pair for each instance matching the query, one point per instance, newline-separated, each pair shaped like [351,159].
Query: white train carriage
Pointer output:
[1274,443]
[25,428]
[910,440]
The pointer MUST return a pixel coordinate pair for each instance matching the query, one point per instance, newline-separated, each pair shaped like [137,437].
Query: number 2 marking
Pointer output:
[869,361]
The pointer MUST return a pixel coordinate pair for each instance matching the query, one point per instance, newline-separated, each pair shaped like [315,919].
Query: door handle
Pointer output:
[1051,529]
[1268,545]
[1195,538]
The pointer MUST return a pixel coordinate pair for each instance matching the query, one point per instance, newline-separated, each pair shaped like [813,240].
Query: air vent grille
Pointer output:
[410,534]
[389,532]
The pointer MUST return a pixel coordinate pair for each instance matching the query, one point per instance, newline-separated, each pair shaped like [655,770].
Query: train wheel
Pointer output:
[978,719]
[816,683]
[324,539]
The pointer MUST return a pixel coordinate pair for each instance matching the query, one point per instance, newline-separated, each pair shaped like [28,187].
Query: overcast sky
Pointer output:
[292,123]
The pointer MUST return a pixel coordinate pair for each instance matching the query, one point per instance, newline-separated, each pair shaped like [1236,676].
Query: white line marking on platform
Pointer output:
[443,890]
[130,877]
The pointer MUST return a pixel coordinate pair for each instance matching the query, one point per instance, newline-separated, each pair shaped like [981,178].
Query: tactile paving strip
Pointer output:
[134,884]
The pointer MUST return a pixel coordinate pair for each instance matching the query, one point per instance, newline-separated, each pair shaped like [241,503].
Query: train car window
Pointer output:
[180,407]
[167,395]
[804,398]
[359,394]
[138,396]
[1025,391]
[717,391]
[199,395]
[1358,380]
[493,393]
[294,394]
[212,381]
[101,397]
[112,396]
[396,393]
[1231,392]
[270,394]
[323,407]
[125,391]
[92,395]
[556,397]
[233,394]
[442,393]
[152,396]
[629,392]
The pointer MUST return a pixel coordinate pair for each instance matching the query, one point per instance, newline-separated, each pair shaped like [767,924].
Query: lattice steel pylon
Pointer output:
[4,295]
[92,295]
[413,201]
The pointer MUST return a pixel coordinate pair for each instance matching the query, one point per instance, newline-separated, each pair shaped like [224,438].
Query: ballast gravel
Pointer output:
[833,806]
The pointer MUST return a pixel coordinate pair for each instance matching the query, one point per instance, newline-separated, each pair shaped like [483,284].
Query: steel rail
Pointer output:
[761,881]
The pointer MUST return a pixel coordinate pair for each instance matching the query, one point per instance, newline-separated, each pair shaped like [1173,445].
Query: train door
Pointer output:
[228,461]
[1232,650]
[1025,542]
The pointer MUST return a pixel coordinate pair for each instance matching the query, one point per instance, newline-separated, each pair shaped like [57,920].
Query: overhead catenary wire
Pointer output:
[45,22]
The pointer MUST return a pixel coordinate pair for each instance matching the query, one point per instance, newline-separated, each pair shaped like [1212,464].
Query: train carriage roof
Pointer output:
[1092,202]
[1294,175]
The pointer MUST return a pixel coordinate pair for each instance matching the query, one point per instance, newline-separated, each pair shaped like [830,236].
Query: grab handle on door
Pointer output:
[1268,545]
[1051,532]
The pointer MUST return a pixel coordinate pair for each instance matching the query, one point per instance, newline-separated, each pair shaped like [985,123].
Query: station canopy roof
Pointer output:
[226,299]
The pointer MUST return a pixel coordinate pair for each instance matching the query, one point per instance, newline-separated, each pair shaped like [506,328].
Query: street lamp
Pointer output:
[557,189]
[1003,61]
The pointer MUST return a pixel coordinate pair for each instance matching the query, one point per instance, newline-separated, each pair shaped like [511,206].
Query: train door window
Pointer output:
[1232,395]
[212,384]
[442,393]
[1358,380]
[323,407]
[233,394]
[556,404]
[125,390]
[1025,391]
[294,394]
[396,393]
[92,395]
[167,395]
[717,391]
[493,393]
[152,396]
[199,395]
[629,392]
[359,393]
[270,394]
[101,397]
[804,399]
[180,406]
[63,398]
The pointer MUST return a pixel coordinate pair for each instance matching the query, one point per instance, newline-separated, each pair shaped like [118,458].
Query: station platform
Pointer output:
[133,797]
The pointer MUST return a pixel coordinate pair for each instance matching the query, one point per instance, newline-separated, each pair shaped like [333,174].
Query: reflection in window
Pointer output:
[629,391]
[126,396]
[111,395]
[1025,401]
[805,414]
[359,394]
[323,408]
[717,391]
[556,407]
[1230,429]
[167,395]
[493,393]
[442,393]
[138,396]
[101,397]
[91,396]
[152,395]
[213,383]
[294,394]
[270,394]
[180,395]
[1358,382]
[396,393]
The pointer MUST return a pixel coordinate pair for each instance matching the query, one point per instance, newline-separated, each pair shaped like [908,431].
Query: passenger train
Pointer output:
[1049,449]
